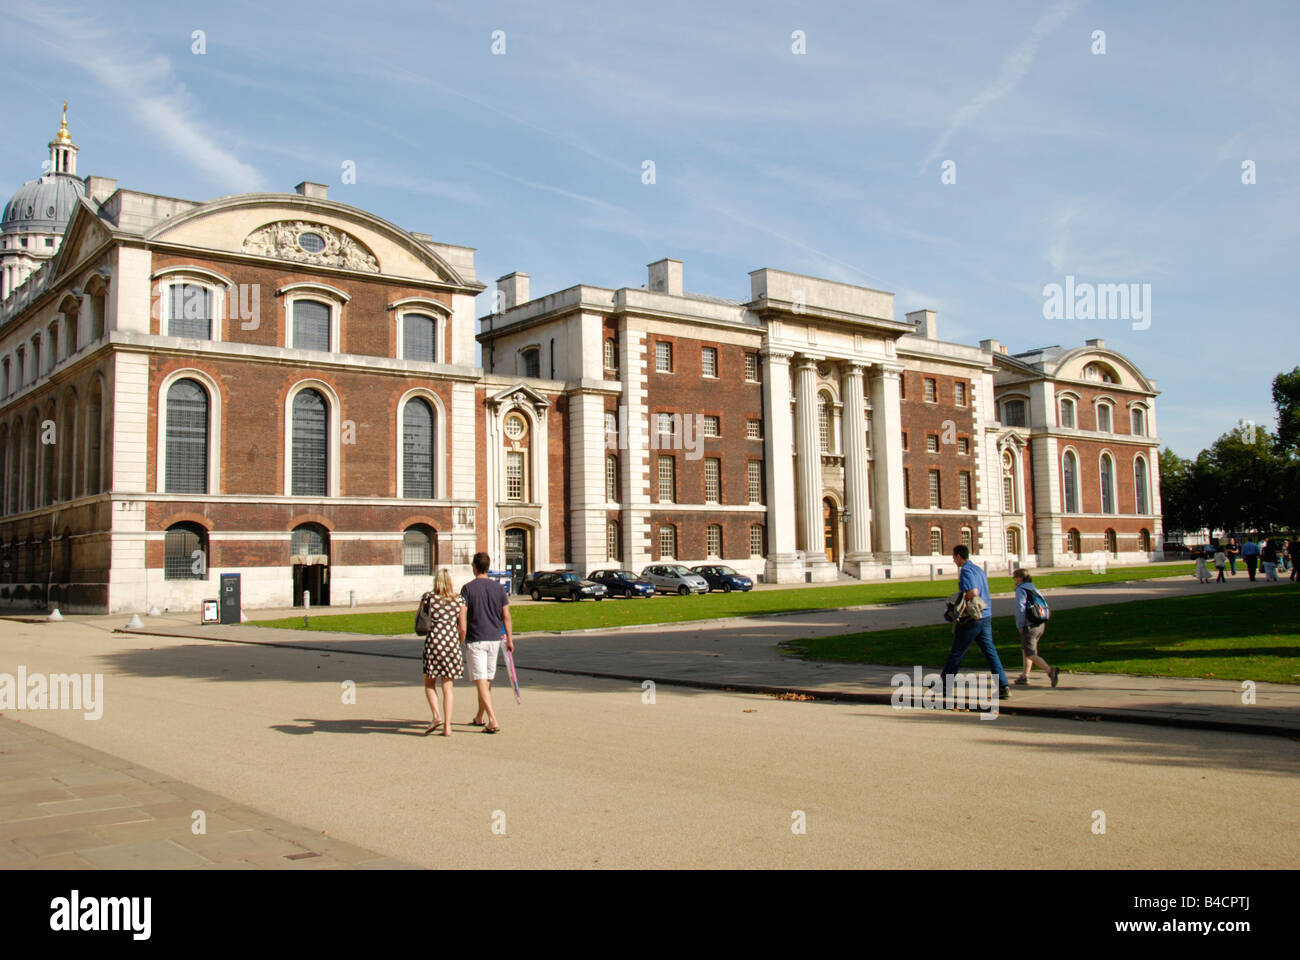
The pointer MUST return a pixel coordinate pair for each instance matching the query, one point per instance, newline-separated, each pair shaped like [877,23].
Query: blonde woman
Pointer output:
[442,657]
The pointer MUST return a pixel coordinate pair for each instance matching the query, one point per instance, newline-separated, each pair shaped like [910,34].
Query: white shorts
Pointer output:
[481,658]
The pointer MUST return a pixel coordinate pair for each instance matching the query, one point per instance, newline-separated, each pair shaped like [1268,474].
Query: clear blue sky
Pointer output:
[1122,167]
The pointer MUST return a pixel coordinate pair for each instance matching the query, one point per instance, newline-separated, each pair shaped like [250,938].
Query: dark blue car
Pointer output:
[722,577]
[623,583]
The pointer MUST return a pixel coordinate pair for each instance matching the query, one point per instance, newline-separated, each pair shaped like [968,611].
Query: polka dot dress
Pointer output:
[442,656]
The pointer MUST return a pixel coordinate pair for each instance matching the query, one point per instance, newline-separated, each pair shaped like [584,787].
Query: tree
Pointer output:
[1286,397]
[1240,481]
[1181,510]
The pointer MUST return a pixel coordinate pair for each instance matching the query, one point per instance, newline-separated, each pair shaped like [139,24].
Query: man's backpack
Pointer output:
[1036,609]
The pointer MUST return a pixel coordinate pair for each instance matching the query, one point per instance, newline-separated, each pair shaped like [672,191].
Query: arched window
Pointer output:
[98,311]
[1144,540]
[823,423]
[12,477]
[1014,413]
[936,540]
[50,440]
[531,362]
[187,437]
[185,552]
[310,464]
[309,540]
[613,541]
[968,539]
[907,531]
[1013,541]
[1104,424]
[1008,481]
[419,338]
[68,443]
[611,355]
[1070,481]
[1073,542]
[1101,372]
[417,450]
[1141,490]
[667,542]
[1112,543]
[756,540]
[713,540]
[189,311]
[1107,484]
[1138,421]
[94,427]
[1067,413]
[311,325]
[417,550]
[31,496]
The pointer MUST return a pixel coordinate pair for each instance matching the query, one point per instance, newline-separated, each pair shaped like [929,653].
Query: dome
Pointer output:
[44,205]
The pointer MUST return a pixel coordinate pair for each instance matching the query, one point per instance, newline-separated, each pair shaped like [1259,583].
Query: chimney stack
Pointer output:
[926,323]
[666,277]
[308,189]
[991,346]
[1098,344]
[512,290]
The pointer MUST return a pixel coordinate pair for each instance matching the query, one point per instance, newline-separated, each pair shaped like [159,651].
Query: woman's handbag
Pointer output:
[423,617]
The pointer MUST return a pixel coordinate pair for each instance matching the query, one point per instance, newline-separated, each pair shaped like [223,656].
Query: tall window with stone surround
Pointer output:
[755,477]
[713,540]
[934,489]
[667,480]
[667,542]
[712,480]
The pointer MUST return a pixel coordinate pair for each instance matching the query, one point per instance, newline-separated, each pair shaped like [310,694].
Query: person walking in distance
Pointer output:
[1202,571]
[1031,633]
[1220,561]
[485,619]
[1231,551]
[1293,551]
[1250,554]
[442,659]
[1268,557]
[973,587]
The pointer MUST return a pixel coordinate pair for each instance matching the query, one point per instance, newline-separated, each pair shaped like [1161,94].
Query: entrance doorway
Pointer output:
[831,525]
[309,549]
[517,556]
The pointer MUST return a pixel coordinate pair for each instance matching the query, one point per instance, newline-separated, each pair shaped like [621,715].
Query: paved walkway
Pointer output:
[743,654]
[65,806]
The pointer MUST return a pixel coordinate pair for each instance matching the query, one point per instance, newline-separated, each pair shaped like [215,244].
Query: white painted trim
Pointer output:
[440,345]
[421,302]
[315,292]
[333,435]
[214,428]
[1114,482]
[309,286]
[203,273]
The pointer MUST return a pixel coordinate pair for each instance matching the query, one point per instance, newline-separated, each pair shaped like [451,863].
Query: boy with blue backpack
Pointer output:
[1031,617]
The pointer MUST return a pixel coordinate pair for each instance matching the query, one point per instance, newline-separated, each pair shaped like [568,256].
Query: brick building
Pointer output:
[288,387]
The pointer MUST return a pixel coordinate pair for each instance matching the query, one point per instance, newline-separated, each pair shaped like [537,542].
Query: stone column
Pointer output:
[778,473]
[887,441]
[856,476]
[809,459]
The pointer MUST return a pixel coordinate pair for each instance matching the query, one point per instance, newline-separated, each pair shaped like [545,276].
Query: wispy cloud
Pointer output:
[144,81]
[1014,68]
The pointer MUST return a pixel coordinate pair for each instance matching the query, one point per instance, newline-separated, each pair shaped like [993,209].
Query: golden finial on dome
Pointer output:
[63,136]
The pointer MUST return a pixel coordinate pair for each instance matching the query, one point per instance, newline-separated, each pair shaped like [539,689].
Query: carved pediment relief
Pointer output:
[520,397]
[315,243]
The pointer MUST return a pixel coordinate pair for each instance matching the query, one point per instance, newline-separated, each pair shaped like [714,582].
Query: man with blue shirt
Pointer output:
[973,584]
[1250,553]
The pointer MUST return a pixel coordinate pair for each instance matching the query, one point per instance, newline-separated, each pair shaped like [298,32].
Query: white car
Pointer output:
[674,578]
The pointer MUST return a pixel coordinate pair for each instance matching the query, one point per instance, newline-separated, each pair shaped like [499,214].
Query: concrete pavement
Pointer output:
[744,654]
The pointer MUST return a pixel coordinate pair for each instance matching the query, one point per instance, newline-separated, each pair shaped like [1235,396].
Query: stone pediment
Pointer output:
[315,243]
[521,395]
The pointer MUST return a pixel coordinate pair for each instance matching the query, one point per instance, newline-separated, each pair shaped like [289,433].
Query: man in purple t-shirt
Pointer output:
[484,619]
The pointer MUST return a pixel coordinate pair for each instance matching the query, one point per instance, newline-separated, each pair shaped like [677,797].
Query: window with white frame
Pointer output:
[514,475]
[963,490]
[755,540]
[611,478]
[531,362]
[667,542]
[751,367]
[936,540]
[932,443]
[663,356]
[613,541]
[611,425]
[931,390]
[418,468]
[1142,497]
[667,479]
[1070,481]
[934,489]
[1103,418]
[959,393]
[754,429]
[754,476]
[187,438]
[713,540]
[417,551]
[963,446]
[1138,422]
[310,463]
[1013,541]
[968,539]
[712,426]
[419,338]
[823,424]
[712,480]
[311,325]
[1107,484]
[611,354]
[667,425]
[709,361]
[1067,413]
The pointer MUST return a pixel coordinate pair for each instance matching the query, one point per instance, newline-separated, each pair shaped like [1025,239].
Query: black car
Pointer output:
[562,585]
[622,583]
[722,577]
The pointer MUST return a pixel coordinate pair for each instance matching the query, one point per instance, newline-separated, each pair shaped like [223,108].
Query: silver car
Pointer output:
[674,578]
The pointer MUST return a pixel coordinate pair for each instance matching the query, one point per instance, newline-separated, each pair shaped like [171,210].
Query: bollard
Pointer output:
[306,607]
[932,573]
[352,598]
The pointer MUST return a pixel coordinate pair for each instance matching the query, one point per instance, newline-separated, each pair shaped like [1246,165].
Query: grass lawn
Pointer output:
[565,615]
[1243,635]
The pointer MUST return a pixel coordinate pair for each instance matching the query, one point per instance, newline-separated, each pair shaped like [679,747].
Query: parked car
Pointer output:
[674,578]
[719,576]
[622,583]
[561,585]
